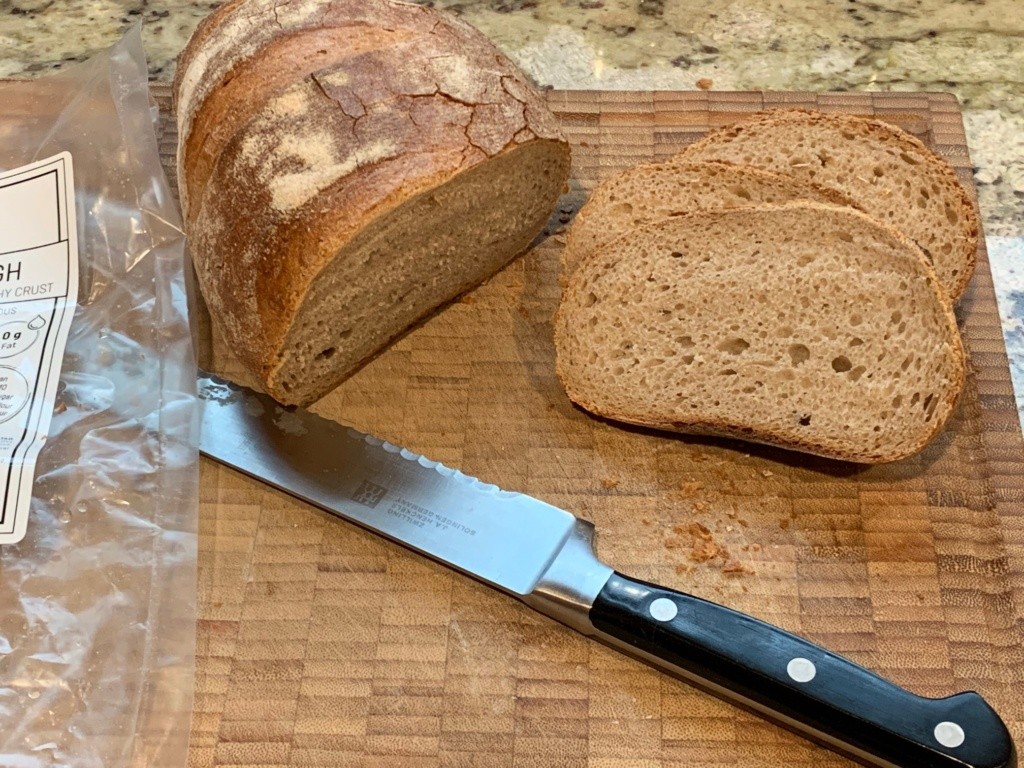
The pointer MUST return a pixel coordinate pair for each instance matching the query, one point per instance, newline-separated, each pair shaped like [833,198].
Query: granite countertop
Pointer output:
[974,48]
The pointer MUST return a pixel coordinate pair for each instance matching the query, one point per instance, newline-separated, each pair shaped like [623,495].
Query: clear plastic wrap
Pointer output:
[98,602]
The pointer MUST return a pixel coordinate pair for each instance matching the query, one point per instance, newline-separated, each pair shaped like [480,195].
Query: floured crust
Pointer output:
[875,133]
[300,141]
[700,424]
[311,36]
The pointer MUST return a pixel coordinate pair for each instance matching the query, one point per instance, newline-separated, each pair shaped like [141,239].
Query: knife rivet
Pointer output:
[663,609]
[801,670]
[949,734]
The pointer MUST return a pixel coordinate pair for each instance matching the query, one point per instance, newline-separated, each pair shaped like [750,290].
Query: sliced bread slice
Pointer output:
[892,176]
[647,193]
[803,325]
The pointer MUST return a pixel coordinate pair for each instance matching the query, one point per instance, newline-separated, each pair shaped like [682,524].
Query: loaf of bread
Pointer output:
[803,325]
[347,166]
[647,193]
[889,173]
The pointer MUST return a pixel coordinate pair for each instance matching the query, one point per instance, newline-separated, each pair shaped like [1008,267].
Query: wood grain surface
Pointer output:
[320,644]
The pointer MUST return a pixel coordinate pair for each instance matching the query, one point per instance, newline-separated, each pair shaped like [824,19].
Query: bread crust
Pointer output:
[873,130]
[721,428]
[278,189]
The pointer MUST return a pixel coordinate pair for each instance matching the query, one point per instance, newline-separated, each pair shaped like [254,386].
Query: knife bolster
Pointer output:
[572,581]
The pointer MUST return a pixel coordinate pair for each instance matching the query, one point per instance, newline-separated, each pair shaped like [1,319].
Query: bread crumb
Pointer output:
[767,472]
[703,547]
[684,568]
[736,568]
[467,300]
[645,520]
[699,506]
[699,529]
[609,482]
[755,547]
[690,488]
[560,239]
[704,551]
[671,543]
[705,83]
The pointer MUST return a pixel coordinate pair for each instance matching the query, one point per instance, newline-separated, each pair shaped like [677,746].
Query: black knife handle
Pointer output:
[824,696]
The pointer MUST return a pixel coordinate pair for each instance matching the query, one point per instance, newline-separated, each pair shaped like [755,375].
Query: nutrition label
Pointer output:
[38,293]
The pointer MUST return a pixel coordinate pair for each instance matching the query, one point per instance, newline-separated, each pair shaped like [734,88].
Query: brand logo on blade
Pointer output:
[369,494]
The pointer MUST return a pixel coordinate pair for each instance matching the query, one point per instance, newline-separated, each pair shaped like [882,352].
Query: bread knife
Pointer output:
[545,557]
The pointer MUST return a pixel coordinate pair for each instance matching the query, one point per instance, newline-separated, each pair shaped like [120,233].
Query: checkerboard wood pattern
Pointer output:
[320,644]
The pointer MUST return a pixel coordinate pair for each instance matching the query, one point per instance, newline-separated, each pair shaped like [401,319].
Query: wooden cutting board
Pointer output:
[320,644]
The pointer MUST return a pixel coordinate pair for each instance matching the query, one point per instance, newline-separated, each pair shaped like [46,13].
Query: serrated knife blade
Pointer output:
[544,556]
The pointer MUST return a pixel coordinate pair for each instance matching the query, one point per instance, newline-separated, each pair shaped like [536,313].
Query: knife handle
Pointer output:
[804,687]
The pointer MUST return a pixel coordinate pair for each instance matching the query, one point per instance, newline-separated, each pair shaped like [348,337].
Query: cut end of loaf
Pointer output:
[805,326]
[426,251]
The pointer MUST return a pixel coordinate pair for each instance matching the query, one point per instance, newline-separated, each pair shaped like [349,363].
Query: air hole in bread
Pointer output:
[846,237]
[684,341]
[856,341]
[798,353]
[727,372]
[676,255]
[326,354]
[841,364]
[734,346]
[805,421]
[909,159]
[951,215]
[856,373]
[591,299]
[742,193]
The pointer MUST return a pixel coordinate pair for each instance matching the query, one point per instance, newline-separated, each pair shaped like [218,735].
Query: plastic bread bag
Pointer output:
[98,600]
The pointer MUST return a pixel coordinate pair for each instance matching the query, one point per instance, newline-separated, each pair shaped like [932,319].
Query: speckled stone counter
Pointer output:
[974,48]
